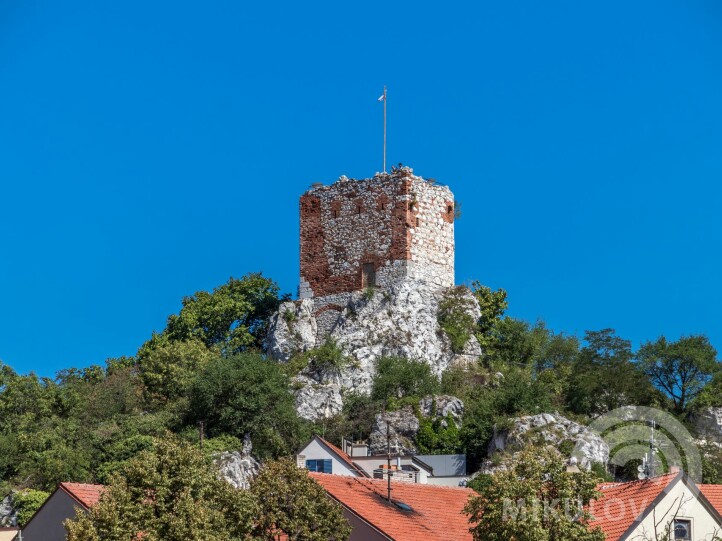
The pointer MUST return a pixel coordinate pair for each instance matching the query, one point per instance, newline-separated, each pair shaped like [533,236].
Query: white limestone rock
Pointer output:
[402,429]
[552,429]
[8,512]
[317,400]
[290,330]
[444,405]
[708,423]
[238,468]
[400,319]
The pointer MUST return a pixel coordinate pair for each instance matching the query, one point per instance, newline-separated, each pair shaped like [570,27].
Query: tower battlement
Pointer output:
[375,232]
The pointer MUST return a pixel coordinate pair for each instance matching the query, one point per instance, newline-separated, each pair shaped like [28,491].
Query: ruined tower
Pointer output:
[375,232]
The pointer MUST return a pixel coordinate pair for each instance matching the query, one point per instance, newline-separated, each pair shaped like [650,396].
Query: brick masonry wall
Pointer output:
[400,223]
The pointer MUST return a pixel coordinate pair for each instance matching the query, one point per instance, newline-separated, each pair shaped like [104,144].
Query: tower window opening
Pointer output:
[368,276]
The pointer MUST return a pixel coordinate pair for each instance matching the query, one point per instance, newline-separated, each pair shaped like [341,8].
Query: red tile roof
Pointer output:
[344,457]
[713,493]
[622,503]
[85,494]
[436,511]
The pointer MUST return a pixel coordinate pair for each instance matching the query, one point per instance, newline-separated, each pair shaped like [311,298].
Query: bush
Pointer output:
[455,319]
[26,502]
[247,394]
[399,377]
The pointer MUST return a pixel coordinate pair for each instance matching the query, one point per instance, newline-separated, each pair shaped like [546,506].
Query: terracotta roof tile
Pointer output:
[621,503]
[713,493]
[86,495]
[436,511]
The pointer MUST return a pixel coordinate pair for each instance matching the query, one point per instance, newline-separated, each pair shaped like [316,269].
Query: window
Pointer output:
[320,466]
[683,530]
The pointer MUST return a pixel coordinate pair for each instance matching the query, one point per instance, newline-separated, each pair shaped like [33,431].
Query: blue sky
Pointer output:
[152,149]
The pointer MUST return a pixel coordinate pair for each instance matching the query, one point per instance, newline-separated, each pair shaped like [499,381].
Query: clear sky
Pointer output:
[152,149]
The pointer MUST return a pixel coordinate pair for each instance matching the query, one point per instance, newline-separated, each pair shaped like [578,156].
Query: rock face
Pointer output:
[8,513]
[404,425]
[238,468]
[444,405]
[708,423]
[402,429]
[317,400]
[399,320]
[553,429]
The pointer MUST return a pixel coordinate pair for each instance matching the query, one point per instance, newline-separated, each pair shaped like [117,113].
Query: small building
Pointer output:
[414,512]
[65,503]
[354,460]
[643,509]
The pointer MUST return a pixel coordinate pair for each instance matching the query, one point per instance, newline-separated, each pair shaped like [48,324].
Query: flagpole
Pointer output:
[384,128]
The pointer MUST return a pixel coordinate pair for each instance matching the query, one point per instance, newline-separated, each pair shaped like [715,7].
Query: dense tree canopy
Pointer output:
[680,369]
[536,499]
[88,424]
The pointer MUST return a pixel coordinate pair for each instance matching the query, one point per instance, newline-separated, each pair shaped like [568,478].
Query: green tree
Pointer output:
[536,499]
[604,376]
[493,304]
[247,394]
[398,378]
[292,503]
[680,369]
[169,369]
[26,502]
[232,318]
[170,493]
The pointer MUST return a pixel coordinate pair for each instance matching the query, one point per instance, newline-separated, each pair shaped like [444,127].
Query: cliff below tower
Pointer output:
[377,259]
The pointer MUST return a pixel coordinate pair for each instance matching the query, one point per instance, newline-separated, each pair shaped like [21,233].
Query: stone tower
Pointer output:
[375,232]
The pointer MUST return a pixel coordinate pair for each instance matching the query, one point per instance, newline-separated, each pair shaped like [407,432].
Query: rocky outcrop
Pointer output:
[317,400]
[8,513]
[567,436]
[441,406]
[292,329]
[238,468]
[398,320]
[708,423]
[403,426]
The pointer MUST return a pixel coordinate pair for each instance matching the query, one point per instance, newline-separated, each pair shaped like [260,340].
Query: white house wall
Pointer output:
[704,524]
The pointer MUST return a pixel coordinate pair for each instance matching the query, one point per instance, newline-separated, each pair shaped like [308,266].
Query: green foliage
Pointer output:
[601,472]
[243,394]
[515,393]
[710,395]
[168,370]
[538,479]
[711,463]
[26,502]
[292,503]
[455,319]
[327,359]
[233,318]
[368,293]
[604,377]
[492,304]
[399,377]
[168,492]
[434,438]
[680,369]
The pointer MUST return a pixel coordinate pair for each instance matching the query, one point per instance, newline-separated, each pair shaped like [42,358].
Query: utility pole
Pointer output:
[388,458]
[201,430]
[383,99]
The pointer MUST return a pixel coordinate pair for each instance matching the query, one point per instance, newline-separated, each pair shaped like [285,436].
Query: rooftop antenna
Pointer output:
[383,99]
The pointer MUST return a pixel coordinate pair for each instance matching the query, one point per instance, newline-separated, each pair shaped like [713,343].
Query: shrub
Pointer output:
[455,319]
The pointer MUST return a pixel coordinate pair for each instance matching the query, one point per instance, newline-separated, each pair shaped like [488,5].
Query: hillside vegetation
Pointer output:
[207,366]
